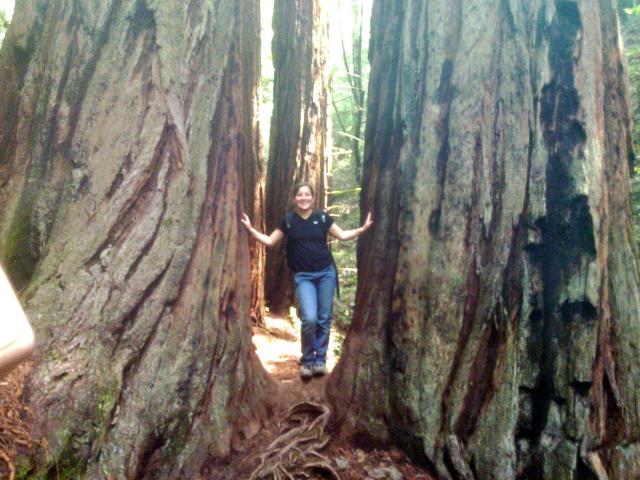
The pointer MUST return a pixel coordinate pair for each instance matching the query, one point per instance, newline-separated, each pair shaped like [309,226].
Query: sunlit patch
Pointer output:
[278,347]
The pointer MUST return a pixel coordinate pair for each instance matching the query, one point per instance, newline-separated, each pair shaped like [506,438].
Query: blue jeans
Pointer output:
[315,296]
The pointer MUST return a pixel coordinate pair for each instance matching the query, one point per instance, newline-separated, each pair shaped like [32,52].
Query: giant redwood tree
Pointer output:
[127,153]
[298,149]
[496,333]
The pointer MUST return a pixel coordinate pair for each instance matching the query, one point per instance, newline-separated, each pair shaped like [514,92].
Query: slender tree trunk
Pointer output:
[253,174]
[496,329]
[129,151]
[298,148]
[354,77]
[358,93]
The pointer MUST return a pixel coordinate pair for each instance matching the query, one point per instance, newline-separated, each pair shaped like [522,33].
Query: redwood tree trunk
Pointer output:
[253,172]
[498,306]
[128,154]
[298,148]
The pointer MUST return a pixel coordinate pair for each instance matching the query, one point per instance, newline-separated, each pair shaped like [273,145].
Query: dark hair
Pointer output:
[300,185]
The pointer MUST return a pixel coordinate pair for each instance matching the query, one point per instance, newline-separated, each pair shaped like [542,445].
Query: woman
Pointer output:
[16,336]
[315,274]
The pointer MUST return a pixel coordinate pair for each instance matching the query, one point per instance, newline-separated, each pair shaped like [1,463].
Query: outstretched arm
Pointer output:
[16,336]
[340,234]
[269,240]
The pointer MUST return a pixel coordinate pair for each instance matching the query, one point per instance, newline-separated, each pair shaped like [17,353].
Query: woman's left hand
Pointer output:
[367,223]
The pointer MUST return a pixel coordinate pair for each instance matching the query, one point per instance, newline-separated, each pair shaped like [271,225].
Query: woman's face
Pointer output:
[303,198]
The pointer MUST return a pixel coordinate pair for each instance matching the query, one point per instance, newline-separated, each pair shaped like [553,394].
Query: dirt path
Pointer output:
[278,346]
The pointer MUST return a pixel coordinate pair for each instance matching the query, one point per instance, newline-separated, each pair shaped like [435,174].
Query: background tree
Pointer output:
[127,154]
[298,146]
[4,24]
[497,309]
[349,107]
[349,77]
[629,14]
[253,172]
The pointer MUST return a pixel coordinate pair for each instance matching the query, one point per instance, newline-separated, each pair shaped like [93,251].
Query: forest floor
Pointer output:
[278,346]
[15,418]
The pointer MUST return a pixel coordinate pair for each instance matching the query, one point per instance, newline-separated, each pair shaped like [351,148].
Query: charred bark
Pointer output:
[498,304]
[299,134]
[129,152]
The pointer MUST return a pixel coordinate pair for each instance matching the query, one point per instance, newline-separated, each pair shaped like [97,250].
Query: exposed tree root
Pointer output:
[294,454]
[12,470]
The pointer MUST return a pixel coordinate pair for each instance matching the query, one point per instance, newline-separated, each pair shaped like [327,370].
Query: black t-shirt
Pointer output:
[307,249]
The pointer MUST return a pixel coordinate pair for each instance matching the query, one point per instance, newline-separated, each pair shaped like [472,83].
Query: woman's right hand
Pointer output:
[245,221]
[268,240]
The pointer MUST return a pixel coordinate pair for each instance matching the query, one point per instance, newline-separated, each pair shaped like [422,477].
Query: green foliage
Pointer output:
[68,468]
[350,75]
[4,24]
[266,73]
[630,20]
[344,208]
[631,34]
[23,472]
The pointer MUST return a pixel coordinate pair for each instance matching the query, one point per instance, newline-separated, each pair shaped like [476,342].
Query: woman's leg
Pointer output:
[326,287]
[307,298]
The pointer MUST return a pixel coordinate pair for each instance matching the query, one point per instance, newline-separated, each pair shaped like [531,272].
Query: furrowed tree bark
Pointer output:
[129,151]
[496,329]
[253,173]
[298,148]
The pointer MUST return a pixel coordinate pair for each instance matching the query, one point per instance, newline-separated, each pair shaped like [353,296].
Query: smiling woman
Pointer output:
[315,276]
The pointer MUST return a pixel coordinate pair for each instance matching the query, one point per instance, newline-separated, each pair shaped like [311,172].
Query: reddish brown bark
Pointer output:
[132,151]
[299,130]
[253,174]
